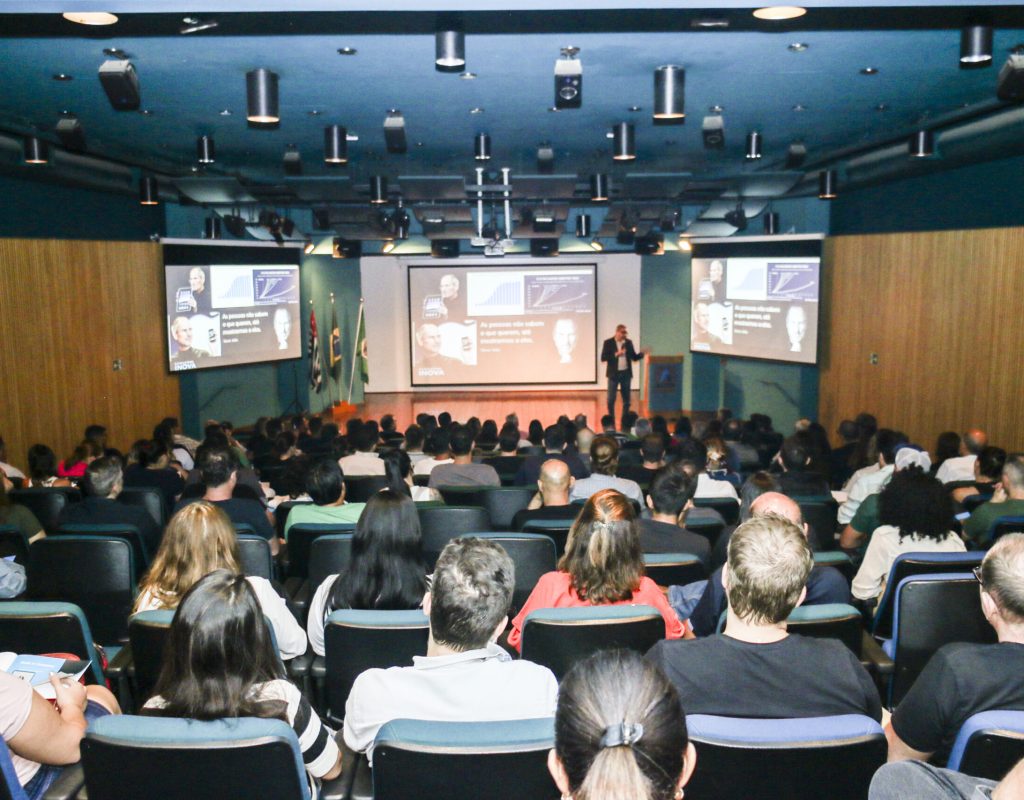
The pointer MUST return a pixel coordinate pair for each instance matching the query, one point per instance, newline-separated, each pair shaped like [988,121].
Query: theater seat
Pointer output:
[555,529]
[46,503]
[674,569]
[13,544]
[795,759]
[300,539]
[464,760]
[148,498]
[329,555]
[1003,526]
[559,637]
[122,531]
[147,632]
[128,757]
[360,488]
[533,555]
[989,744]
[726,506]
[257,560]
[45,627]
[441,524]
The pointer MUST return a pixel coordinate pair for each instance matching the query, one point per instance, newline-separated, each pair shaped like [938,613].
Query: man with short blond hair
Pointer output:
[756,668]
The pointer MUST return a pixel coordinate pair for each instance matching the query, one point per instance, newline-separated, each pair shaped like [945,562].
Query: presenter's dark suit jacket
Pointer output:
[608,355]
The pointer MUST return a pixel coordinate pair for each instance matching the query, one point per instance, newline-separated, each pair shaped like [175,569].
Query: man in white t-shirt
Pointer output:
[465,676]
[961,468]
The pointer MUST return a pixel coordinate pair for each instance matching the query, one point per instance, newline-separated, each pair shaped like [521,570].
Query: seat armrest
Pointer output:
[68,784]
[874,657]
[292,585]
[318,669]
[117,667]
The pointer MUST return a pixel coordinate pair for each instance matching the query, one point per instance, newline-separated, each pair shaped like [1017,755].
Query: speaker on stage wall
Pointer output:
[121,83]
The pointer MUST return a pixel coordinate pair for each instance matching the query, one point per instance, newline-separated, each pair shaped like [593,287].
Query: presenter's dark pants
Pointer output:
[621,380]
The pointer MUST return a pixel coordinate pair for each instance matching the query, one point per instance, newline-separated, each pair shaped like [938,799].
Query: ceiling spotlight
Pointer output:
[195,24]
[595,244]
[63,76]
[776,13]
[869,71]
[388,246]
[261,97]
[797,47]
[378,189]
[771,222]
[449,51]
[335,145]
[482,147]
[211,228]
[684,243]
[468,76]
[753,145]
[599,187]
[737,217]
[669,92]
[90,17]
[827,184]
[583,226]
[36,150]
[921,144]
[976,46]
[308,247]
[205,153]
[624,145]
[347,51]
[149,191]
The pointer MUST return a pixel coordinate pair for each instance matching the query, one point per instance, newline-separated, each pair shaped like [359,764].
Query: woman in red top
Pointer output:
[603,565]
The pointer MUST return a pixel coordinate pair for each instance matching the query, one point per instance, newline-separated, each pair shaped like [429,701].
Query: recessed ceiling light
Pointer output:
[634,109]
[115,52]
[146,112]
[882,107]
[775,13]
[225,112]
[347,51]
[869,71]
[467,76]
[797,47]
[716,109]
[554,109]
[90,17]
[476,110]
[63,76]
[709,23]
[799,107]
[314,112]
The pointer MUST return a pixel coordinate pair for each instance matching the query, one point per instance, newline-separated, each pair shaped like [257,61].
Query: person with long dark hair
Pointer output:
[386,569]
[603,565]
[915,513]
[42,467]
[219,663]
[620,732]
[398,470]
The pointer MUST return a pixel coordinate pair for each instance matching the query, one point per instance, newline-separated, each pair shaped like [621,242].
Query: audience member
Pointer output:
[552,498]
[755,668]
[465,675]
[824,584]
[506,462]
[602,565]
[438,452]
[153,470]
[670,501]
[961,468]
[535,433]
[17,515]
[620,732]
[81,457]
[554,447]
[988,469]
[385,570]
[695,453]
[839,459]
[414,438]
[198,540]
[103,483]
[42,468]
[797,479]
[604,459]
[325,484]
[915,515]
[888,442]
[365,461]
[1007,501]
[902,780]
[947,446]
[164,434]
[8,469]
[963,678]
[462,471]
[219,663]
[652,454]
[398,471]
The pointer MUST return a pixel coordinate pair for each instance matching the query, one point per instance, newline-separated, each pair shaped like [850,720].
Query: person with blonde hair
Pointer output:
[198,540]
[603,565]
[620,732]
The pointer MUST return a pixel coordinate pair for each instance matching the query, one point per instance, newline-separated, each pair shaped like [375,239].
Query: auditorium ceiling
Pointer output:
[842,87]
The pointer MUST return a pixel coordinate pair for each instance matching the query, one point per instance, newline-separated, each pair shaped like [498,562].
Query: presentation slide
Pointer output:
[756,307]
[219,315]
[501,325]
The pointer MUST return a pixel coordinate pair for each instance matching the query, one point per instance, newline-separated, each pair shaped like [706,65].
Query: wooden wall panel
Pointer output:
[944,311]
[67,310]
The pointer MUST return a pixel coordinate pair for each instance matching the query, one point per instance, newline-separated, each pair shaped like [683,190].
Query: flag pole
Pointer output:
[330,368]
[355,350]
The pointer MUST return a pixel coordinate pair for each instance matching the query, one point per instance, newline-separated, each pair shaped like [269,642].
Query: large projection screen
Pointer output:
[509,324]
[757,298]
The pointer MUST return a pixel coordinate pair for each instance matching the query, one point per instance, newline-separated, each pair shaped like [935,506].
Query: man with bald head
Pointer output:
[962,468]
[552,498]
[824,584]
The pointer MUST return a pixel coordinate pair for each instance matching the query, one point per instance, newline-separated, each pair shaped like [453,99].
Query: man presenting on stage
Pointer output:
[619,354]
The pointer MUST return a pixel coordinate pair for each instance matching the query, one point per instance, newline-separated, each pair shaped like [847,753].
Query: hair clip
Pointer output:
[624,733]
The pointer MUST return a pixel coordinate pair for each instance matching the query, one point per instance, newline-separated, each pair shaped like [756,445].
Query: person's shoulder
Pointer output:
[278,689]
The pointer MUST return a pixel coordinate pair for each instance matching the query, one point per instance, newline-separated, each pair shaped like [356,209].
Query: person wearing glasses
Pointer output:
[962,678]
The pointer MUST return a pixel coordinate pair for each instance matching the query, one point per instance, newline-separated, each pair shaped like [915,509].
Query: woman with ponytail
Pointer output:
[603,565]
[620,732]
[398,469]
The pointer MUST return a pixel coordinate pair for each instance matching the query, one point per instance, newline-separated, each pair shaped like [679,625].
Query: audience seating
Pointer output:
[829,621]
[300,538]
[555,529]
[533,555]
[360,488]
[13,543]
[795,759]
[930,611]
[441,524]
[820,514]
[329,555]
[1005,525]
[46,503]
[96,573]
[148,498]
[726,506]
[257,560]
[128,533]
[973,501]
[501,503]
[463,760]
[50,627]
[355,641]
[989,744]
[837,559]
[907,564]
[10,787]
[127,757]
[147,632]
[559,637]
[674,569]
[283,510]
[709,529]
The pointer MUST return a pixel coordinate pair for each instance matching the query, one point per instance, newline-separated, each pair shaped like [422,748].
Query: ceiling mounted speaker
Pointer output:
[71,134]
[346,248]
[121,83]
[737,217]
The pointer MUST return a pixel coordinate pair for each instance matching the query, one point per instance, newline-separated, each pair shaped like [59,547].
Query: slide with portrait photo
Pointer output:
[502,325]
